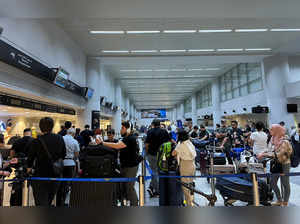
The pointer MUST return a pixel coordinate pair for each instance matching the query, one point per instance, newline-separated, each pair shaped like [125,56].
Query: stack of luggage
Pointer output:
[96,162]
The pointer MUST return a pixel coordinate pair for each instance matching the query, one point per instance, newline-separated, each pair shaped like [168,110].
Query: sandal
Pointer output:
[277,203]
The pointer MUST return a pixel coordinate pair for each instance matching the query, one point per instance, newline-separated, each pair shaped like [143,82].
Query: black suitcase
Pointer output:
[99,161]
[219,159]
[236,188]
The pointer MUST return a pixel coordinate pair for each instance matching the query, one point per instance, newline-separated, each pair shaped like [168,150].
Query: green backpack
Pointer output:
[165,161]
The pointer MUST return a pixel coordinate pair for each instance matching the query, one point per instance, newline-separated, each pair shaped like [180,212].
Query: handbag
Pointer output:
[276,166]
[57,165]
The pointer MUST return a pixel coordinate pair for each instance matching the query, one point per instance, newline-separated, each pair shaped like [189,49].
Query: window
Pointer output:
[188,105]
[204,97]
[241,80]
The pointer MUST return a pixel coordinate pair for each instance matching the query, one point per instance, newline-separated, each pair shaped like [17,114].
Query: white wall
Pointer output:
[294,69]
[247,102]
[48,42]
[45,41]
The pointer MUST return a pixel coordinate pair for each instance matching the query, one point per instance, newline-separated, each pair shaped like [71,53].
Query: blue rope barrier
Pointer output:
[116,180]
[108,180]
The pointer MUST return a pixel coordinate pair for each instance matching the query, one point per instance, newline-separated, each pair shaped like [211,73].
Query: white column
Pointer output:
[127,108]
[117,116]
[275,72]
[194,109]
[182,112]
[93,76]
[175,113]
[216,102]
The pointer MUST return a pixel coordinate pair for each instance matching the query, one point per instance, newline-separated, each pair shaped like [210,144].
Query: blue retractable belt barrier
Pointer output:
[146,177]
[86,179]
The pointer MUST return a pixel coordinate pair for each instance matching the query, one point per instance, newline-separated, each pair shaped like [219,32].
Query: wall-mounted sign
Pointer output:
[14,57]
[28,104]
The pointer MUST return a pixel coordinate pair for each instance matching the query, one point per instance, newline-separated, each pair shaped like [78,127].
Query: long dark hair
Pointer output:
[183,135]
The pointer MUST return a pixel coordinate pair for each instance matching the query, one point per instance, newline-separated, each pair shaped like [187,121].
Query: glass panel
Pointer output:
[242,74]
[244,90]
[229,95]
[236,93]
[255,86]
[223,97]
[235,81]
[254,71]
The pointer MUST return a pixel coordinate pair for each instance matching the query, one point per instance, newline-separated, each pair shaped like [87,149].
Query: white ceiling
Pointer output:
[166,89]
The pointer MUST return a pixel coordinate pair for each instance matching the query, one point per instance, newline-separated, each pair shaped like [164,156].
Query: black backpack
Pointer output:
[295,156]
[98,161]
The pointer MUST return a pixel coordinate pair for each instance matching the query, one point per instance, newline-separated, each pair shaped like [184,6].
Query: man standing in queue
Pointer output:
[129,158]
[155,138]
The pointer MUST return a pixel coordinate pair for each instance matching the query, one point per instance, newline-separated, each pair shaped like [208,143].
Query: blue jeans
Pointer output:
[170,190]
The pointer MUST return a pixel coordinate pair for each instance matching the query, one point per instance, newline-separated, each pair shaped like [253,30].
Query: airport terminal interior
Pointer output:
[152,103]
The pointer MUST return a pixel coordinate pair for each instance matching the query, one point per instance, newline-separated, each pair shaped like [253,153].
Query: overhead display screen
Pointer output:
[161,113]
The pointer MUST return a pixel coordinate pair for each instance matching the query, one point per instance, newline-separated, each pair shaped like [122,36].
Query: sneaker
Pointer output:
[155,195]
[151,193]
[277,203]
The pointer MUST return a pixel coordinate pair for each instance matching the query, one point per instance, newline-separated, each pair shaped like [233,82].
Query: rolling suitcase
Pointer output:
[219,158]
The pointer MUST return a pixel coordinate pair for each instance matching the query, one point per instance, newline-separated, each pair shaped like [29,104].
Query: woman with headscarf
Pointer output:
[186,153]
[282,149]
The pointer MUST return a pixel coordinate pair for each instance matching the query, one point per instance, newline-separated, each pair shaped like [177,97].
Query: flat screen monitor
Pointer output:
[292,108]
[159,113]
[89,93]
[62,77]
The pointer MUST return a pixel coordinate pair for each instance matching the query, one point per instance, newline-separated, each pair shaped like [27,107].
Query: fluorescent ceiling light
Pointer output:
[142,31]
[127,70]
[180,31]
[201,50]
[238,49]
[258,49]
[106,32]
[115,51]
[145,70]
[284,30]
[178,70]
[172,51]
[216,31]
[251,30]
[195,69]
[161,70]
[144,51]
[212,69]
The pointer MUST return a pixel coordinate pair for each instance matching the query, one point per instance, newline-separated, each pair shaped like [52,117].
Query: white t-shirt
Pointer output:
[259,139]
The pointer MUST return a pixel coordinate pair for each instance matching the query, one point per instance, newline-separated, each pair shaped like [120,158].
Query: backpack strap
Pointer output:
[44,146]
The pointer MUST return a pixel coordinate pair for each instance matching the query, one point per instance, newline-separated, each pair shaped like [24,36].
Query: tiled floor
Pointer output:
[202,185]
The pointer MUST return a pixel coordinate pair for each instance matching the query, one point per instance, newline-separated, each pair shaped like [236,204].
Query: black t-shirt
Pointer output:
[86,134]
[194,134]
[155,138]
[203,134]
[57,149]
[235,135]
[129,155]
[62,132]
[22,145]
[113,141]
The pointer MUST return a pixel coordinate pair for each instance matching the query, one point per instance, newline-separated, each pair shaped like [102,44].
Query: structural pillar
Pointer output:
[93,76]
[216,102]
[275,72]
[182,112]
[117,119]
[194,109]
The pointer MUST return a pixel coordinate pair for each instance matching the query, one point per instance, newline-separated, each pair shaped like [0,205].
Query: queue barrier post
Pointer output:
[255,189]
[25,193]
[141,190]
